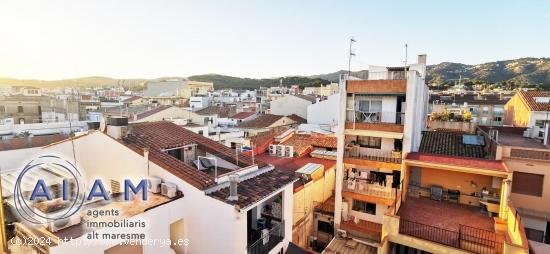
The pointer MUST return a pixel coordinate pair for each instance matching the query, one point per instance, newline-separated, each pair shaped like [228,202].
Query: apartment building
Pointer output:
[381,119]
[528,157]
[454,198]
[175,91]
[485,109]
[220,201]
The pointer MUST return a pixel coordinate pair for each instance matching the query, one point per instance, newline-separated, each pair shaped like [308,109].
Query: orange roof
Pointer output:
[529,98]
[496,165]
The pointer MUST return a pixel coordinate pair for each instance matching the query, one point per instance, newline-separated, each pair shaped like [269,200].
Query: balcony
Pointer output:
[365,153]
[367,230]
[377,121]
[455,225]
[370,188]
[265,240]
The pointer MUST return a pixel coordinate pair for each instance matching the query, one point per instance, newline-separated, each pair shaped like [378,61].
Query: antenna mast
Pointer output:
[351,54]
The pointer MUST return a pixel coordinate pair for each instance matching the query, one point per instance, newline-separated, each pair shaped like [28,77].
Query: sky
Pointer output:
[59,39]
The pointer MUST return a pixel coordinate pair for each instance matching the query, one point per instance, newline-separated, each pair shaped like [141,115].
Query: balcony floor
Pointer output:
[444,214]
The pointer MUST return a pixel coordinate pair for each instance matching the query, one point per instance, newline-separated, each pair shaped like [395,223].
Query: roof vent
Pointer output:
[233,185]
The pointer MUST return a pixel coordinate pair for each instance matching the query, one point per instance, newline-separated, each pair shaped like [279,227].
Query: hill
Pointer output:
[221,81]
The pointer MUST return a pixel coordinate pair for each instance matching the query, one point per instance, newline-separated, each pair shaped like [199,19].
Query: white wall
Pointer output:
[324,112]
[289,105]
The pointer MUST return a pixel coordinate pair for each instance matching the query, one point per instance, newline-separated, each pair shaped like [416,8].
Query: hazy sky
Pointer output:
[146,39]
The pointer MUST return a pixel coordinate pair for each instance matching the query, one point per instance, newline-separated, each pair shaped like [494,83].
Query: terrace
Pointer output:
[455,225]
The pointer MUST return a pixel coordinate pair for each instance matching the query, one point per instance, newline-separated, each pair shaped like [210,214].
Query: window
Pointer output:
[201,132]
[364,207]
[540,123]
[19,109]
[535,235]
[371,142]
[323,226]
[527,183]
[370,106]
[485,110]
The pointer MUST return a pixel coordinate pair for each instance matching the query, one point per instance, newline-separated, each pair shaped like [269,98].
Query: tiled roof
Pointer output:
[152,111]
[309,98]
[457,161]
[448,143]
[164,135]
[216,110]
[529,98]
[257,188]
[297,118]
[303,142]
[30,142]
[243,115]
[133,98]
[262,138]
[262,121]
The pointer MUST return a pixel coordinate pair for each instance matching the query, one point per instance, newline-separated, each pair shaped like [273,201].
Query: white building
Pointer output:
[217,209]
[324,112]
[292,104]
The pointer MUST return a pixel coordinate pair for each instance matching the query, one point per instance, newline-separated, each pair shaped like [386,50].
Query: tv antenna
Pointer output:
[351,54]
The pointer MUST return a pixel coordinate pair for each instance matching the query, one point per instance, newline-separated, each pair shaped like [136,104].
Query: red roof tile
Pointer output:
[297,118]
[457,161]
[152,111]
[529,98]
[164,135]
[262,121]
[243,115]
[30,142]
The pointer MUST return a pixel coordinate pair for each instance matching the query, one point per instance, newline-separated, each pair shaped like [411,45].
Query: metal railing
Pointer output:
[358,116]
[366,153]
[362,186]
[467,238]
[267,241]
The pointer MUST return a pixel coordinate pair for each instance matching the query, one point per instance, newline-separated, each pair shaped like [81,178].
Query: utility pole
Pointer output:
[351,54]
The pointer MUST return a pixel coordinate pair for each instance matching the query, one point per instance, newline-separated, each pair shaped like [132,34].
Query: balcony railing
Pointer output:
[365,153]
[467,238]
[267,240]
[376,117]
[362,186]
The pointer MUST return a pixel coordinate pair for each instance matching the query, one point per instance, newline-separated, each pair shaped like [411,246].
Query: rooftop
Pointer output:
[150,112]
[473,99]
[257,188]
[309,98]
[157,136]
[536,100]
[513,136]
[242,115]
[348,246]
[222,112]
[457,161]
[449,143]
[302,143]
[297,118]
[30,142]
[262,121]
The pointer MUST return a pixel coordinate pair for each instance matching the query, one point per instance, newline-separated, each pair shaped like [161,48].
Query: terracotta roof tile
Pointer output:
[30,142]
[262,121]
[309,98]
[151,112]
[449,143]
[529,98]
[243,115]
[297,118]
[164,135]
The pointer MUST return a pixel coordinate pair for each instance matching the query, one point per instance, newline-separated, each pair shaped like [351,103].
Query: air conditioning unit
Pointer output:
[154,184]
[168,189]
[527,133]
[60,224]
[272,150]
[289,151]
[341,233]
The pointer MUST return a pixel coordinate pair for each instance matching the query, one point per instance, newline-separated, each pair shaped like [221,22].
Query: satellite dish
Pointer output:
[102,124]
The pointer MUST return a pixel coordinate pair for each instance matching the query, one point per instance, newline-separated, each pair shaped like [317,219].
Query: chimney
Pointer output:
[422,59]
[233,185]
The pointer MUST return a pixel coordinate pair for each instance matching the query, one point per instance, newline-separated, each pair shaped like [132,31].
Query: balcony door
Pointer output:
[369,110]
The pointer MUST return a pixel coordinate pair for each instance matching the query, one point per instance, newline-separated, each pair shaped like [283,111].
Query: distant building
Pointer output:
[324,112]
[292,104]
[175,92]
[528,109]
[485,109]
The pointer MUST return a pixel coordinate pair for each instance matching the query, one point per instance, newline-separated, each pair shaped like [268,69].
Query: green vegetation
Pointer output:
[221,81]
